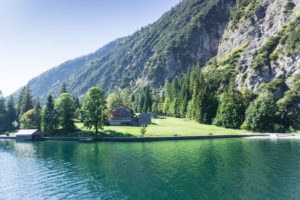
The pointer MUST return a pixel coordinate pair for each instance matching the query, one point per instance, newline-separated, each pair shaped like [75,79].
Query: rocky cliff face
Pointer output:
[267,21]
[270,57]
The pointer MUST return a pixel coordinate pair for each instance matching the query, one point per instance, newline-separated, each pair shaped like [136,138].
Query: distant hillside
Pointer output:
[51,80]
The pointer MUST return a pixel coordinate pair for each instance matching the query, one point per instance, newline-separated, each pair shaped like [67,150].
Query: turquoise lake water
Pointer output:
[207,169]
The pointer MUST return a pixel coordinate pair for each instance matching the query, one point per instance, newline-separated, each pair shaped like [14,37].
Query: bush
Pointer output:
[279,128]
[260,115]
[143,130]
[231,111]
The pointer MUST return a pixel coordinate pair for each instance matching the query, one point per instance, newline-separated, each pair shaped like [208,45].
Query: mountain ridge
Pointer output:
[200,32]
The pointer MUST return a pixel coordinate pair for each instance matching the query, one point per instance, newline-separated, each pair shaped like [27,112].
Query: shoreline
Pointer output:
[140,139]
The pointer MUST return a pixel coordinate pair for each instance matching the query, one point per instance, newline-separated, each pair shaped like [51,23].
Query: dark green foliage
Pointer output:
[3,122]
[144,100]
[11,115]
[206,105]
[30,119]
[49,117]
[190,95]
[93,111]
[63,88]
[38,112]
[113,101]
[65,107]
[25,101]
[175,108]
[289,112]
[231,111]
[260,115]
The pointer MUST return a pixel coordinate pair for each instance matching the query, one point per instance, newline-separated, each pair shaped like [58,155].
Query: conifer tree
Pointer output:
[49,117]
[3,124]
[38,114]
[25,101]
[63,89]
[11,114]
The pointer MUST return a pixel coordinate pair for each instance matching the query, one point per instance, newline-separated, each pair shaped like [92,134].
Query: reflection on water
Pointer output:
[208,169]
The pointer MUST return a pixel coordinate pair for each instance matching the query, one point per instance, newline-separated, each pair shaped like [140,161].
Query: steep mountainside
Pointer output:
[187,34]
[51,80]
[254,42]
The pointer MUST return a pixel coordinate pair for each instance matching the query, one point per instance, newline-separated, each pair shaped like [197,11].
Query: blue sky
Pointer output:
[36,35]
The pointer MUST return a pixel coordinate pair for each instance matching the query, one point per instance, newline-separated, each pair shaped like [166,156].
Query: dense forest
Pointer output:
[204,97]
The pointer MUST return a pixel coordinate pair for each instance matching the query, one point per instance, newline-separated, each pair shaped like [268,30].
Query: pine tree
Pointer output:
[175,109]
[63,89]
[38,114]
[49,117]
[3,122]
[25,102]
[11,114]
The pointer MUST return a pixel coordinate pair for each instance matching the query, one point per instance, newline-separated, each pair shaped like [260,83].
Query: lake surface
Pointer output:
[206,169]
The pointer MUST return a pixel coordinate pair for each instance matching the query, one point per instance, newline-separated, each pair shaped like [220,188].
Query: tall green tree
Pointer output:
[260,115]
[2,113]
[175,108]
[11,114]
[65,107]
[49,117]
[63,88]
[93,111]
[38,112]
[25,101]
[113,101]
[231,111]
[29,120]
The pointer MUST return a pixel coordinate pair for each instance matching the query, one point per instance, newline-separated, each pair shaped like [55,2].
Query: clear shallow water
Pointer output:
[208,169]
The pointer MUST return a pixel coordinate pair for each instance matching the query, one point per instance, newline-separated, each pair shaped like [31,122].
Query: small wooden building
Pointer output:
[144,119]
[28,135]
[122,116]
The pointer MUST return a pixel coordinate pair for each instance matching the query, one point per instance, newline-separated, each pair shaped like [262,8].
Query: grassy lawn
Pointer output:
[172,126]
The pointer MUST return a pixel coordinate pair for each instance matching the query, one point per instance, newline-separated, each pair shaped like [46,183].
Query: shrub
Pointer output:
[260,115]
[143,130]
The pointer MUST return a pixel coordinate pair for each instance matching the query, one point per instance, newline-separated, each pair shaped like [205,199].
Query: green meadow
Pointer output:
[169,127]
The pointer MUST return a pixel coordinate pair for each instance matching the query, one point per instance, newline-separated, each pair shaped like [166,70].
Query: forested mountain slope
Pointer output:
[51,80]
[253,42]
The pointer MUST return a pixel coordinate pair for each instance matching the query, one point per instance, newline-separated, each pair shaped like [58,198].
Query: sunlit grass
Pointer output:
[172,126]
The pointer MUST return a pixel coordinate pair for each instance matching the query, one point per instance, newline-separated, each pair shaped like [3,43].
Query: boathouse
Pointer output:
[28,135]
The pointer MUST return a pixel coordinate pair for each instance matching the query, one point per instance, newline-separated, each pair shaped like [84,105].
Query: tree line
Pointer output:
[57,115]
[203,97]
